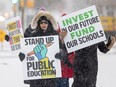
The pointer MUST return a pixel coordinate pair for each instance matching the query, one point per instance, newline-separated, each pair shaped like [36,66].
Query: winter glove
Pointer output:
[21,56]
[111,41]
[63,56]
[7,38]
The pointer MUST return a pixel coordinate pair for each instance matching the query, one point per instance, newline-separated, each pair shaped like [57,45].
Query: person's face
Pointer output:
[44,24]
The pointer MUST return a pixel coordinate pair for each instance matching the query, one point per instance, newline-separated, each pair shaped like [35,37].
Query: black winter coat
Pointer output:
[29,32]
[86,65]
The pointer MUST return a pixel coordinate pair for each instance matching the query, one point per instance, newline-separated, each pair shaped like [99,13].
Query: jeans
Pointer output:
[62,82]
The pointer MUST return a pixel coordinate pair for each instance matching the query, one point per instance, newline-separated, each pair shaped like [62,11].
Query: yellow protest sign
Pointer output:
[15,32]
[115,23]
[2,35]
[107,23]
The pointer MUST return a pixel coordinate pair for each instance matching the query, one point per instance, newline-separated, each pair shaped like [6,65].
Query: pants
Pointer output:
[85,73]
[62,82]
[43,83]
[81,81]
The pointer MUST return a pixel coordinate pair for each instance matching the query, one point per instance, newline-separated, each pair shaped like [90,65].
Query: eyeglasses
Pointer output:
[45,22]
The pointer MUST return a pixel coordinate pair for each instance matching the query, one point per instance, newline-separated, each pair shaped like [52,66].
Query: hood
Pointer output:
[43,13]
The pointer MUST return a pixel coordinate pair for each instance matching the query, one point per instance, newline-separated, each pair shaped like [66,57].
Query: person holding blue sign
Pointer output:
[43,24]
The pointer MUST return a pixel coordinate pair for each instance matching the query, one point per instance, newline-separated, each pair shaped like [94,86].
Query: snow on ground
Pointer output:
[11,74]
[107,68]
[107,71]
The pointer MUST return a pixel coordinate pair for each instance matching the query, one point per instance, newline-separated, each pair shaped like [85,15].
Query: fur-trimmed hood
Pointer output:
[43,13]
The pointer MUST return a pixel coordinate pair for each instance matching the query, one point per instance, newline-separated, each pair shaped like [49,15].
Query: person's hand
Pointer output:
[61,55]
[62,35]
[111,41]
[7,38]
[40,51]
[21,56]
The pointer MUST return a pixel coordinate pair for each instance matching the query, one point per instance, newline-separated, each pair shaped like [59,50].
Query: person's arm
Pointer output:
[29,32]
[106,47]
[63,55]
[62,36]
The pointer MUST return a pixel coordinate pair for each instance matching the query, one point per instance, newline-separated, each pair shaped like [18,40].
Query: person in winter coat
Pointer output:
[43,24]
[86,63]
[67,71]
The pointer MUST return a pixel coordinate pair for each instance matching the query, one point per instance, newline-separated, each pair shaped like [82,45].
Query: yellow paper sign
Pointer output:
[2,35]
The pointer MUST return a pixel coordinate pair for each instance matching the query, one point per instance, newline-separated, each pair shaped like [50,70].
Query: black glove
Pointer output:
[62,54]
[6,37]
[27,81]
[109,41]
[21,56]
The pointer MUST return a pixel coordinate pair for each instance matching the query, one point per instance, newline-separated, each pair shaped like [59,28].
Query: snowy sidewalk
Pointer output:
[5,51]
[7,54]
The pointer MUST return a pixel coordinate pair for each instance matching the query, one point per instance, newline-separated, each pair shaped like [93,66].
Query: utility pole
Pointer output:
[22,9]
[15,7]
